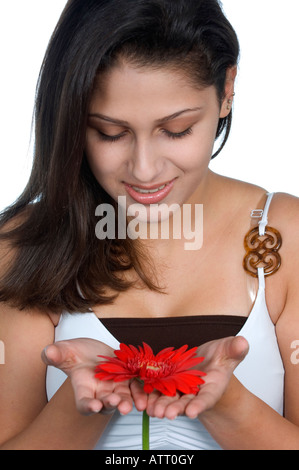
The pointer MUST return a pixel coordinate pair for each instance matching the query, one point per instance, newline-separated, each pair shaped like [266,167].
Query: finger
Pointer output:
[208,396]
[239,348]
[152,398]
[235,351]
[87,406]
[162,404]
[53,355]
[118,397]
[58,355]
[178,407]
[123,391]
[157,404]
[199,404]
[85,397]
[139,396]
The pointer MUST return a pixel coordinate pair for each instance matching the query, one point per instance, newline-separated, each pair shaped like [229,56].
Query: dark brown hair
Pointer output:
[53,239]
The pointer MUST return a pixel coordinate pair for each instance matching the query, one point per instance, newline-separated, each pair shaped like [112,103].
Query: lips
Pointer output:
[150,194]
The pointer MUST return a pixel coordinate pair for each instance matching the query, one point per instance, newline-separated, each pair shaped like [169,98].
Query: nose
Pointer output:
[146,165]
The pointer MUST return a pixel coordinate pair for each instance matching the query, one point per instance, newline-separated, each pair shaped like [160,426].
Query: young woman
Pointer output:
[130,100]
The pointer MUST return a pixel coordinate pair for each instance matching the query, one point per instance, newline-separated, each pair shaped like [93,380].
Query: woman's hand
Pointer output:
[77,358]
[221,359]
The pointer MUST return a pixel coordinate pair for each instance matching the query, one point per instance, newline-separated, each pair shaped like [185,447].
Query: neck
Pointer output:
[183,228]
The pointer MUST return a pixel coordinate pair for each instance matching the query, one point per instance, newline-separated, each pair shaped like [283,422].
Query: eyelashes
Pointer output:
[171,135]
[110,138]
[177,135]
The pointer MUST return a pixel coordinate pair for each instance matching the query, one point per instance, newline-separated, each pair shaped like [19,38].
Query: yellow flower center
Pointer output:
[152,367]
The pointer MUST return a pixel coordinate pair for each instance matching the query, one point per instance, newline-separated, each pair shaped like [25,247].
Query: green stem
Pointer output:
[145,431]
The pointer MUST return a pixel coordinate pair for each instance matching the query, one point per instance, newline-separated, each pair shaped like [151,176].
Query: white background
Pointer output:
[263,146]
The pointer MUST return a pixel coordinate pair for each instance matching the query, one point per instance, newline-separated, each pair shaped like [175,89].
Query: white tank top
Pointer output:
[261,372]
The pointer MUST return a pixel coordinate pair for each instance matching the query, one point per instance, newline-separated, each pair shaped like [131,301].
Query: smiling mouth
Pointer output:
[148,191]
[149,195]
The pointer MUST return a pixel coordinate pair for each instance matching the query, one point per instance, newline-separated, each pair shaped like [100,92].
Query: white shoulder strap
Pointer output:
[263,214]
[263,223]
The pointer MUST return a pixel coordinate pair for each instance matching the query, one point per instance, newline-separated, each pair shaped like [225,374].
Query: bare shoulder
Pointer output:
[240,187]
[286,208]
[19,325]
[239,196]
[284,215]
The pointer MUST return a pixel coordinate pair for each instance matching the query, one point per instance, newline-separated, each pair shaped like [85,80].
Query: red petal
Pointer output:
[189,377]
[168,391]
[147,350]
[116,378]
[189,364]
[165,354]
[166,387]
[184,388]
[112,368]
[178,353]
[182,355]
[148,388]
[123,356]
[104,376]
[106,357]
[186,382]
[129,351]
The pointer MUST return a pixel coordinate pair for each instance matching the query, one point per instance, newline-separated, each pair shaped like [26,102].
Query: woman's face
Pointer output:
[150,135]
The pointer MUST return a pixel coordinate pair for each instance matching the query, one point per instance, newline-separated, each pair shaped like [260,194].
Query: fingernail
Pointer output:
[45,355]
[44,352]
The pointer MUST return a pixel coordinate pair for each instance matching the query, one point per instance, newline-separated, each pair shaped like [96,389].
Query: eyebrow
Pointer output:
[125,123]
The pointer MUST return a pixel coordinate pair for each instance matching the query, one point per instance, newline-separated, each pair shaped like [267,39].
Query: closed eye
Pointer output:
[177,135]
[110,138]
[171,135]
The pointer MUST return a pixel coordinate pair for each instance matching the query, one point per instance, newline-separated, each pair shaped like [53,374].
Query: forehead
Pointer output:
[127,86]
[126,73]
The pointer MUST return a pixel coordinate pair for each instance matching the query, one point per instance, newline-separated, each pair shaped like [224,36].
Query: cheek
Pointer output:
[204,144]
[199,146]
[94,163]
[194,155]
[102,160]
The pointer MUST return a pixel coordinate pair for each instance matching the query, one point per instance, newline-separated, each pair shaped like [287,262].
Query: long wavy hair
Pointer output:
[51,227]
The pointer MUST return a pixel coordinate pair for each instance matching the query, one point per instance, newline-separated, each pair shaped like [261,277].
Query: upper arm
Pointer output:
[287,330]
[23,336]
[287,327]
[22,376]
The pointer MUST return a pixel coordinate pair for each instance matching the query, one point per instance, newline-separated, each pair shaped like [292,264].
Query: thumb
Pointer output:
[236,350]
[58,355]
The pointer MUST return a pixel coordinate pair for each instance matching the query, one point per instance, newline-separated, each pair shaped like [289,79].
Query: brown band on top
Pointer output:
[164,332]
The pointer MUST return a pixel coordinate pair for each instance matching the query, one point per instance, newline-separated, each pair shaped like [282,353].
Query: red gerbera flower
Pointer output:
[168,372]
